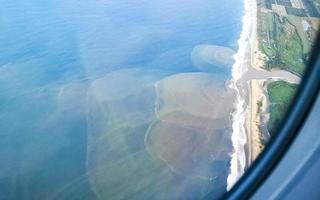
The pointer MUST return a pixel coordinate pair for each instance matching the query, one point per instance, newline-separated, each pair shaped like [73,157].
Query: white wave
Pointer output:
[239,137]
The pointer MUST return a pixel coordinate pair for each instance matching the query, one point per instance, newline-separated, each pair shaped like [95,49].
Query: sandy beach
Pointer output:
[257,101]
[257,105]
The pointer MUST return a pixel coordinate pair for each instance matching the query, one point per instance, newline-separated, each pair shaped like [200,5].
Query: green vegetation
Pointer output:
[306,41]
[266,30]
[281,43]
[280,96]
[262,142]
[259,104]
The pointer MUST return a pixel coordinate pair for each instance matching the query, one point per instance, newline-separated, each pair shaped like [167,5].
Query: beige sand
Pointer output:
[256,94]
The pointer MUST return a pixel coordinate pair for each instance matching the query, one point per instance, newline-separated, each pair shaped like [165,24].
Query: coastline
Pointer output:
[239,136]
[257,101]
[249,80]
[251,75]
[256,80]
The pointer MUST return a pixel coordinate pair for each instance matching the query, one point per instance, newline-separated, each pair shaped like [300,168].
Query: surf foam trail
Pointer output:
[239,137]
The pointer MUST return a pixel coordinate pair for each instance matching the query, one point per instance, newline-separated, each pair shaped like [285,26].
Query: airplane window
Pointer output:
[146,99]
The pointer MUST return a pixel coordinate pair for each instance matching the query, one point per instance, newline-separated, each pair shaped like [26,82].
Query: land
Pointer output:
[287,30]
[254,117]
[280,95]
[281,42]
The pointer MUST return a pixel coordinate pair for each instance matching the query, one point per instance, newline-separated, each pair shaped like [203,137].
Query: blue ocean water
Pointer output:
[72,73]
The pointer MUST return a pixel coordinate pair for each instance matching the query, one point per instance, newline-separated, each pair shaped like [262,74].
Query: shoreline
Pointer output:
[250,80]
[256,97]
[239,136]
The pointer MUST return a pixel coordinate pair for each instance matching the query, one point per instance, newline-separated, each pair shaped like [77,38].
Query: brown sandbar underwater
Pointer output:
[158,139]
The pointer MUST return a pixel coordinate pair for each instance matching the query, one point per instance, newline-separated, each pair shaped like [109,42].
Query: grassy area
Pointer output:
[306,43]
[266,30]
[280,96]
[281,43]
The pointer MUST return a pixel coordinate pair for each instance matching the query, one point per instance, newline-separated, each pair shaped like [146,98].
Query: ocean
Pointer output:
[119,99]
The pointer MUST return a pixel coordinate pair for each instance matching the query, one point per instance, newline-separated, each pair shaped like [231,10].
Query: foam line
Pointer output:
[239,137]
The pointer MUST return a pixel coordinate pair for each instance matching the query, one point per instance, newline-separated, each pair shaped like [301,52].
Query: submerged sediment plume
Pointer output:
[212,58]
[120,109]
[192,131]
[199,94]
[118,97]
[169,135]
